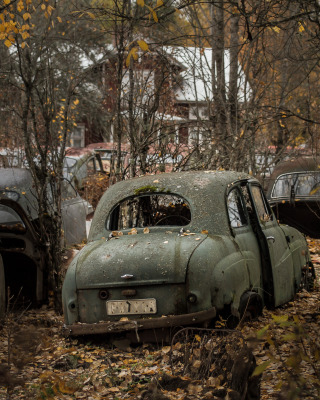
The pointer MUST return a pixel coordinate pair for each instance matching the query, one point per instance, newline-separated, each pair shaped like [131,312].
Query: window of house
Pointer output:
[195,136]
[183,134]
[150,210]
[77,138]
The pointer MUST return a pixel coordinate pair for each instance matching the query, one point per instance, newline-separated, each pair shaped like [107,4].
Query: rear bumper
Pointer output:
[131,325]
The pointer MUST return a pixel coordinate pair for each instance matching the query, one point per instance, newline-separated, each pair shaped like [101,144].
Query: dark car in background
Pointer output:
[294,194]
[180,249]
[22,254]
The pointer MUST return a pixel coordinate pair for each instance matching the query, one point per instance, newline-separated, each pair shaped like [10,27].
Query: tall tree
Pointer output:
[45,72]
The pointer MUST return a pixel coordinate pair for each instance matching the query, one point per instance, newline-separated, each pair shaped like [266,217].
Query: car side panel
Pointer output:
[299,250]
[249,246]
[282,262]
[221,273]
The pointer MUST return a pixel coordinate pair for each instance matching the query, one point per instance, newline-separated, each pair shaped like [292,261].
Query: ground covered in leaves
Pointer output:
[38,362]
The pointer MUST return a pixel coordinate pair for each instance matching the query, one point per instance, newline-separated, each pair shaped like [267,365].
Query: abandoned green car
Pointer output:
[181,249]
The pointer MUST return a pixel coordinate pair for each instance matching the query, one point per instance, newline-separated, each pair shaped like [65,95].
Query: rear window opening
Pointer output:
[150,210]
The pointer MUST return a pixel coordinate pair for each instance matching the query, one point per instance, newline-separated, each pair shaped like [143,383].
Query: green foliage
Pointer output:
[146,189]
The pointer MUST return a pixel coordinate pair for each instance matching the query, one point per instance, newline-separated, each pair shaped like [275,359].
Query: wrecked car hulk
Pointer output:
[22,254]
[180,249]
[293,193]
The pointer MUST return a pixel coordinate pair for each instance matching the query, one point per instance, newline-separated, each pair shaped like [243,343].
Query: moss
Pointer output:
[146,189]
[150,189]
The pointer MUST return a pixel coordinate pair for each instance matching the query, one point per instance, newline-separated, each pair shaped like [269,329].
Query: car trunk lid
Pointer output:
[140,259]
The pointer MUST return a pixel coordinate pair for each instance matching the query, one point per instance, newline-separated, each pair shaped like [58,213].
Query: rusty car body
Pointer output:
[80,164]
[179,249]
[294,194]
[21,251]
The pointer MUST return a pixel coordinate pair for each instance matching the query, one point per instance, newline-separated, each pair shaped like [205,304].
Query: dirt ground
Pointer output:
[46,365]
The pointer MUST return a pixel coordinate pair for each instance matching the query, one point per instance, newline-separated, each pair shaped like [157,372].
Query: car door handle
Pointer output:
[271,238]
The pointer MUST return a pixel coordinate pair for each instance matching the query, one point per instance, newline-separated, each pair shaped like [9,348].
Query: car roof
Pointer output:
[19,177]
[20,181]
[301,164]
[204,190]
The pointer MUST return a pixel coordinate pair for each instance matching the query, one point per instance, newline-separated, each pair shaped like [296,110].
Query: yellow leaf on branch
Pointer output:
[143,45]
[8,43]
[26,16]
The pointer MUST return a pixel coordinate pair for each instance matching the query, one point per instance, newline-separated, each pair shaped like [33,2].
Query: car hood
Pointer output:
[153,258]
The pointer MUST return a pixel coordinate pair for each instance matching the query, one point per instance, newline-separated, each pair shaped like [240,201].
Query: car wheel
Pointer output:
[251,306]
[2,290]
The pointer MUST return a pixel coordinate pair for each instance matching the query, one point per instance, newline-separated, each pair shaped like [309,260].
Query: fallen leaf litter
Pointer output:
[45,364]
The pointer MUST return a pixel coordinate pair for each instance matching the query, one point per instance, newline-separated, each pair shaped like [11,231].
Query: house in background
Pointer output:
[172,95]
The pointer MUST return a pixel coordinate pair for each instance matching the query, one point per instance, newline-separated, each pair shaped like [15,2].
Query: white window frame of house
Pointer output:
[195,136]
[78,134]
[195,111]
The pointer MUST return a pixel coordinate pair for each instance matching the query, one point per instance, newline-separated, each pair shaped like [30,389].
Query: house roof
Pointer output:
[195,69]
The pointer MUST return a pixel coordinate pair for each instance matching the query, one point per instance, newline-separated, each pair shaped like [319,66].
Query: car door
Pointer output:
[279,270]
[245,237]
[74,211]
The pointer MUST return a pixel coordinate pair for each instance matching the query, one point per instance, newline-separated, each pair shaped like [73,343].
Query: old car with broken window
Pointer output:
[80,164]
[181,249]
[22,255]
[294,194]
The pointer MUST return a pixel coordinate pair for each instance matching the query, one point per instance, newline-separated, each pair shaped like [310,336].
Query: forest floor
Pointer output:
[38,362]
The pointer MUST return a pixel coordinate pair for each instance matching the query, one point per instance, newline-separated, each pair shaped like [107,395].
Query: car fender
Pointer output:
[299,252]
[69,294]
[218,271]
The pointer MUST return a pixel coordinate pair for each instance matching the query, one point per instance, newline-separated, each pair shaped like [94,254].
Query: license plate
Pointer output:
[141,306]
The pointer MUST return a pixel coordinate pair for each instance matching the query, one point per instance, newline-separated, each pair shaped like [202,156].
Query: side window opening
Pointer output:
[236,212]
[91,165]
[150,210]
[263,210]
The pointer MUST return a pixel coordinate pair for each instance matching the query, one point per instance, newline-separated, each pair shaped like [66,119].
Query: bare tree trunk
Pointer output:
[233,85]
[218,79]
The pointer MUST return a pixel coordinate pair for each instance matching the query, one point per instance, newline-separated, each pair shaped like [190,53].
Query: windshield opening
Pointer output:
[301,184]
[69,163]
[150,210]
[10,220]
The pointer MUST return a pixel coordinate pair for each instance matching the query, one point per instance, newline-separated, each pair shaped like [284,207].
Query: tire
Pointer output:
[251,306]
